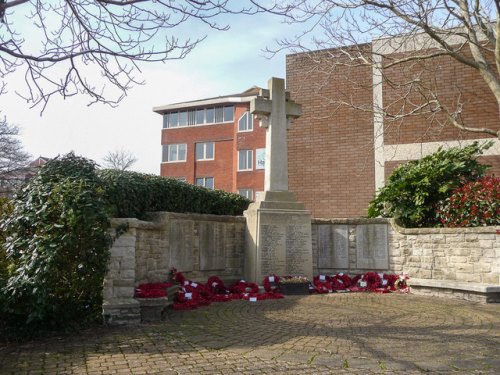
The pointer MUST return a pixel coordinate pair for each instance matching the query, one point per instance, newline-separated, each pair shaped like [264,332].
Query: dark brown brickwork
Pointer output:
[330,149]
[454,82]
[331,152]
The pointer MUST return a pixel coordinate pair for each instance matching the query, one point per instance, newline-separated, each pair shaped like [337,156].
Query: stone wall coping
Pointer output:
[159,217]
[116,303]
[163,215]
[351,221]
[401,230]
[135,223]
[456,285]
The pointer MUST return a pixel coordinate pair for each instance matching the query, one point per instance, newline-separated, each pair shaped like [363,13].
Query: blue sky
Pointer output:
[226,62]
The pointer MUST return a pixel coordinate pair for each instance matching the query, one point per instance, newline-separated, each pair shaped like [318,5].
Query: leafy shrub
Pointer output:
[5,210]
[414,189]
[476,203]
[132,194]
[58,243]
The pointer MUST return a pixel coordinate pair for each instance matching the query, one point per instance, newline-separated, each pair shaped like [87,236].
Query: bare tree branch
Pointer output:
[120,160]
[12,155]
[408,39]
[68,46]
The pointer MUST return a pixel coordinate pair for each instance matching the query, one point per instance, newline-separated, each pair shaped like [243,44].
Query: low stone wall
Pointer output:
[197,245]
[359,245]
[204,245]
[459,254]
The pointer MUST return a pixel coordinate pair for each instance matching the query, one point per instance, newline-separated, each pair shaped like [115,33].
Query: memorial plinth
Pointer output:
[278,238]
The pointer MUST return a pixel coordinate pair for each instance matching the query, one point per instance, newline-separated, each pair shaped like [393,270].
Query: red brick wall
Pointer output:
[249,141]
[454,82]
[227,143]
[330,152]
[331,156]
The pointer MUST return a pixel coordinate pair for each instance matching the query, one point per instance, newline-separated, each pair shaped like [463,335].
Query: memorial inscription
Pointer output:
[333,246]
[372,247]
[285,247]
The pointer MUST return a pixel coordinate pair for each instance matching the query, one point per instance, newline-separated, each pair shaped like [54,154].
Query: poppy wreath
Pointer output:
[343,280]
[401,284]
[242,287]
[270,283]
[322,284]
[152,290]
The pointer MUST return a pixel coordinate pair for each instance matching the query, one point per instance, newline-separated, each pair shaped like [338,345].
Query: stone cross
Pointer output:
[275,111]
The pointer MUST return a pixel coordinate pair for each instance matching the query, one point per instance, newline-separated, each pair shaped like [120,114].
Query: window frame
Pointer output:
[204,151]
[248,122]
[247,168]
[247,190]
[168,146]
[204,179]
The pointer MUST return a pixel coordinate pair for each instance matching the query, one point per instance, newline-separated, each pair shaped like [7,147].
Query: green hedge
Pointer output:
[132,194]
[415,189]
[57,246]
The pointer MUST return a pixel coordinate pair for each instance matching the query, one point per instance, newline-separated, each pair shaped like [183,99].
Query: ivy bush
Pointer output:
[5,210]
[132,194]
[477,203]
[415,189]
[58,245]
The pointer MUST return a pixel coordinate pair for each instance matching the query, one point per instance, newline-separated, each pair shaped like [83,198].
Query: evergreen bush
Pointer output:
[132,194]
[415,189]
[57,242]
[477,203]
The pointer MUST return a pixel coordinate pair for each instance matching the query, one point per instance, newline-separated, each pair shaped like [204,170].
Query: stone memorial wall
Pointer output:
[204,245]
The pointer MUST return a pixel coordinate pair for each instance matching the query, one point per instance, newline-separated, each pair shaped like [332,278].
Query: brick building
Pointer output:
[338,156]
[214,143]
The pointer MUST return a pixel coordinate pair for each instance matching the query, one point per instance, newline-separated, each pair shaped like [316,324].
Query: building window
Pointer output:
[245,123]
[174,153]
[200,116]
[205,151]
[245,162]
[207,182]
[247,193]
[228,114]
[183,118]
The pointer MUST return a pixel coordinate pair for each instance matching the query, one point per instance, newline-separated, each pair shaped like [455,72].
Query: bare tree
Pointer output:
[12,155]
[67,47]
[120,160]
[407,43]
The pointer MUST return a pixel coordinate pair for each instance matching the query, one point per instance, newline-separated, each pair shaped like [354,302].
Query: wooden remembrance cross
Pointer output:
[275,110]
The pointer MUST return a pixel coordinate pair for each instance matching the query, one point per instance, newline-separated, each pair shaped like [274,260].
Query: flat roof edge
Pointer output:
[202,103]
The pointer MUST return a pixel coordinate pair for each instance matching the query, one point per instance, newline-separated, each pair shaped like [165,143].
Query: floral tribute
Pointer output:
[152,290]
[368,282]
[193,294]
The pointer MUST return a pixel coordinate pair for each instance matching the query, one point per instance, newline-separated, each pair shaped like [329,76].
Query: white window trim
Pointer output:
[204,182]
[204,124]
[248,190]
[204,151]
[176,161]
[248,169]
[251,122]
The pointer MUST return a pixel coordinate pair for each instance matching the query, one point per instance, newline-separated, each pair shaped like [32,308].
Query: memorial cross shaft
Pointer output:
[275,111]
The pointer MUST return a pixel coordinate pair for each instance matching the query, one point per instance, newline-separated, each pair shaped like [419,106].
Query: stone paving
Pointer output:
[318,334]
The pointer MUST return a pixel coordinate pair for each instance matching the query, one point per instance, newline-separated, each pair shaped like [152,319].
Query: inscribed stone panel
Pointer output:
[333,246]
[372,247]
[212,246]
[181,245]
[285,244]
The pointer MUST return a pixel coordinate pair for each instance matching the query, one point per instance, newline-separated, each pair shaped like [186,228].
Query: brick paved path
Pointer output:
[337,333]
